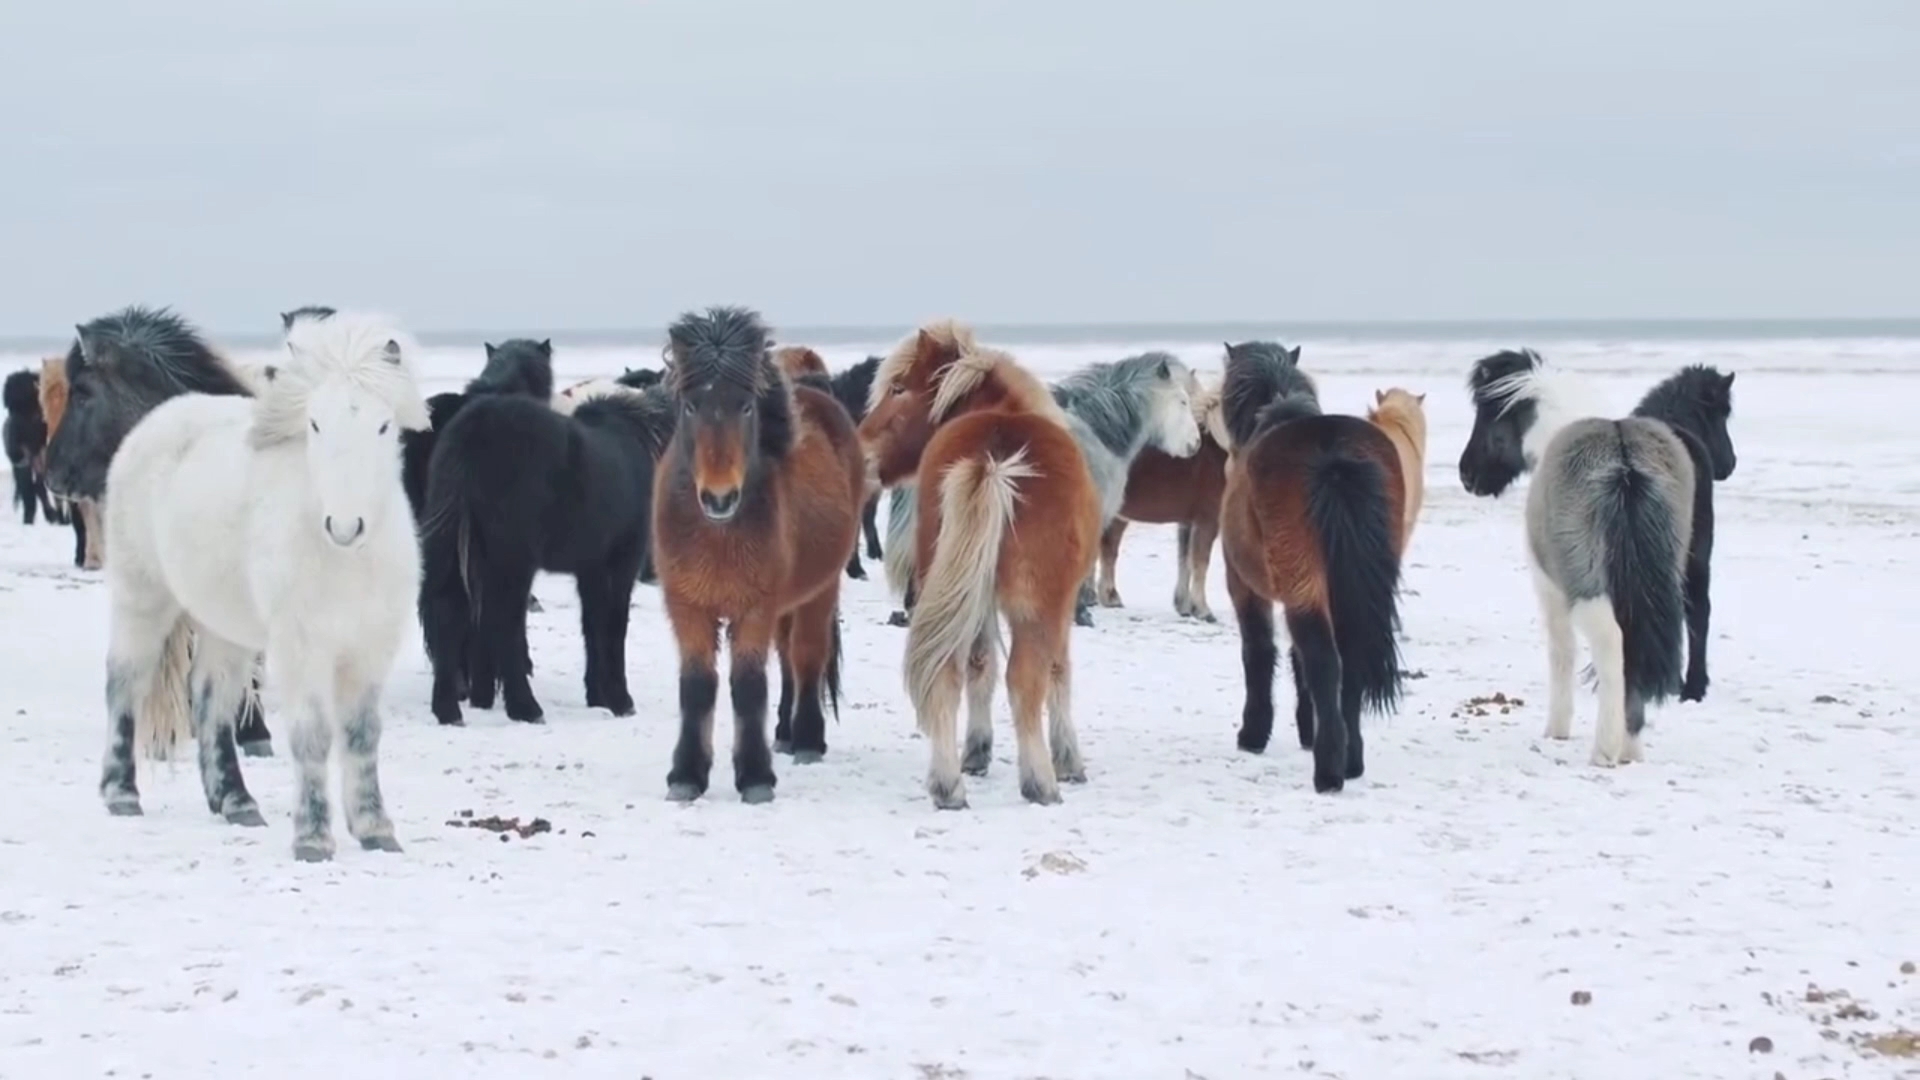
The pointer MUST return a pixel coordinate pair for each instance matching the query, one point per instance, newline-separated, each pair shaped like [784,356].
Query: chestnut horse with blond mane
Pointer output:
[756,507]
[1402,416]
[1007,524]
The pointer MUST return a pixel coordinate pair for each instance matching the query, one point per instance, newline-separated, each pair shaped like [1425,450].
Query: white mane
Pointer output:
[369,350]
[1559,396]
[566,401]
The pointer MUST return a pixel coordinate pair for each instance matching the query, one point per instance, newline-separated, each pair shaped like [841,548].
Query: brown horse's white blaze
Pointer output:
[1402,415]
[1007,525]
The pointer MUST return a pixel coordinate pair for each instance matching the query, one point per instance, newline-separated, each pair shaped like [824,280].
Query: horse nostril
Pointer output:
[720,504]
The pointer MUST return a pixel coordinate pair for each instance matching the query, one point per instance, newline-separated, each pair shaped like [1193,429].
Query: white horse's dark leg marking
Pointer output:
[365,810]
[250,726]
[220,676]
[312,741]
[137,644]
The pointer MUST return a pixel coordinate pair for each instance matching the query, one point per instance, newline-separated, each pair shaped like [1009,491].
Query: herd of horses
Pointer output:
[285,523]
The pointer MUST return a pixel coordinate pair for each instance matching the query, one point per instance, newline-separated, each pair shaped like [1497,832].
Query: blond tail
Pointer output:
[957,600]
[165,719]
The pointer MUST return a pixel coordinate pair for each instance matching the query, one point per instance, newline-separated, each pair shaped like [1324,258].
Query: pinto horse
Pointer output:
[1311,520]
[756,507]
[1007,523]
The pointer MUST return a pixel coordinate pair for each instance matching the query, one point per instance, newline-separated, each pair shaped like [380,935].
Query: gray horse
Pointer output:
[1611,525]
[1114,410]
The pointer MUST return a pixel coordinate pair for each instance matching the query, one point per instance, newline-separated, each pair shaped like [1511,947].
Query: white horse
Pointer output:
[272,524]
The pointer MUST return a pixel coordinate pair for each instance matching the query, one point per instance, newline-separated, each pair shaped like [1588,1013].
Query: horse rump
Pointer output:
[1646,549]
[1350,511]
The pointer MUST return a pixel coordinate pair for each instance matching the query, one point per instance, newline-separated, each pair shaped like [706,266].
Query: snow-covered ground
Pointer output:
[1483,904]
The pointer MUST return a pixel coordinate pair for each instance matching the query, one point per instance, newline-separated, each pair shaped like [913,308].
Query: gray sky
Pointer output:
[505,163]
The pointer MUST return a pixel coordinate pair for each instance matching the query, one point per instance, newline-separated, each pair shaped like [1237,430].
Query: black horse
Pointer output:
[515,488]
[25,435]
[852,387]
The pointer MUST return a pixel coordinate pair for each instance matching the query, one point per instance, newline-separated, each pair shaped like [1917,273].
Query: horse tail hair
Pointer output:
[902,513]
[834,655]
[447,599]
[164,719]
[1645,553]
[1351,517]
[957,594]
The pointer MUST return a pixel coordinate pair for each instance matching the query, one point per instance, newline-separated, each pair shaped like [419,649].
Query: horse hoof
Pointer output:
[380,843]
[757,794]
[684,792]
[898,618]
[1253,745]
[257,748]
[954,798]
[125,808]
[309,851]
[977,760]
[782,745]
[857,573]
[1070,774]
[533,717]
[1328,785]
[1355,770]
[247,817]
[620,705]
[1083,618]
[1040,794]
[808,757]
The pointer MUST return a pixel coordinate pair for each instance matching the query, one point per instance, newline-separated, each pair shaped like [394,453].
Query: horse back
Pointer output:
[1265,521]
[1055,534]
[1164,490]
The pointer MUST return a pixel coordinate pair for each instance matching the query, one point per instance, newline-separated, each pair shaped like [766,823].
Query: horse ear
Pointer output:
[489,347]
[924,347]
[1727,379]
[269,372]
[1294,353]
[286,320]
[1421,398]
[391,353]
[1379,397]
[1227,345]
[546,346]
[1166,368]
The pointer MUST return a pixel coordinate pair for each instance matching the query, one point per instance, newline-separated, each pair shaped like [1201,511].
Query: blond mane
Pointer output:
[965,373]
[53,392]
[1209,407]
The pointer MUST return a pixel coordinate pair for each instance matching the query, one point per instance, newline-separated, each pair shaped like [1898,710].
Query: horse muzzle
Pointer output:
[720,506]
[341,534]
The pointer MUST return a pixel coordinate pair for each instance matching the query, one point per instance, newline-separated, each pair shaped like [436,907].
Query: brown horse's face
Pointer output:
[725,424]
[896,431]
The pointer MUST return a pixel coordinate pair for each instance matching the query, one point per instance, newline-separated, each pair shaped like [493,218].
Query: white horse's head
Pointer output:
[346,392]
[1175,428]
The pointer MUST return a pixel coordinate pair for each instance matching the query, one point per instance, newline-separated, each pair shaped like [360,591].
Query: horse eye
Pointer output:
[315,425]
[687,407]
[384,424]
[899,388]
[747,409]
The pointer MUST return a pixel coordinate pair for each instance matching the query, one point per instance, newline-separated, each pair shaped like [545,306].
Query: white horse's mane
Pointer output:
[370,351]
[1559,397]
[566,401]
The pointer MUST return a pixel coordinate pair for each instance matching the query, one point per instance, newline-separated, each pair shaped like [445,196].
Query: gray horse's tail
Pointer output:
[1645,552]
[898,553]
[1348,507]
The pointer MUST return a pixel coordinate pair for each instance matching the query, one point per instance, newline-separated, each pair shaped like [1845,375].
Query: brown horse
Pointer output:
[798,361]
[756,508]
[1402,415]
[90,534]
[1007,523]
[1166,490]
[1311,520]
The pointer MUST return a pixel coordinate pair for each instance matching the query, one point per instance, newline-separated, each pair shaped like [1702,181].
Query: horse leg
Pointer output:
[93,554]
[1320,662]
[503,621]
[983,669]
[1257,657]
[137,648]
[361,802]
[1109,555]
[870,524]
[1183,573]
[1029,679]
[1555,617]
[854,570]
[1083,603]
[591,584]
[749,640]
[783,713]
[1699,609]
[79,523]
[811,651]
[1067,763]
[1200,535]
[250,725]
[446,619]
[621,573]
[1302,699]
[220,676]
[1594,619]
[1351,697]
[904,614]
[699,639]
[1636,710]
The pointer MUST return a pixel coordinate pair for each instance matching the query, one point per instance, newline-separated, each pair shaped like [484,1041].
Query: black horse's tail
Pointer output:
[1645,557]
[1348,508]
[451,562]
[831,681]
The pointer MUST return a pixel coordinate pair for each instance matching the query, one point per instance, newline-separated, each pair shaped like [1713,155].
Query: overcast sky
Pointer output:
[511,163]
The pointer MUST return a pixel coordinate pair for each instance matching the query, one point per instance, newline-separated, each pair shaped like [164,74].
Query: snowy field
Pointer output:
[1483,904]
